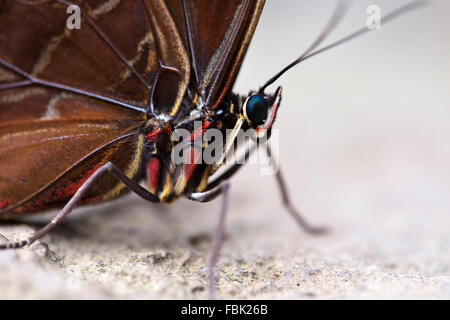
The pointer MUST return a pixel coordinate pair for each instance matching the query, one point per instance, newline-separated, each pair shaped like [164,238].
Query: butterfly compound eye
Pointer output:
[255,109]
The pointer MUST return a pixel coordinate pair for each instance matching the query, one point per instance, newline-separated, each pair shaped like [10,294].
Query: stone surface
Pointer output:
[130,249]
[369,159]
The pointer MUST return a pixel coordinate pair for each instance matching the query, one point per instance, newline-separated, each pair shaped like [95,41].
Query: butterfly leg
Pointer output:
[231,171]
[207,196]
[108,167]
[295,214]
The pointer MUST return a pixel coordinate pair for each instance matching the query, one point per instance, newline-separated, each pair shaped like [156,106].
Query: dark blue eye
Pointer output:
[256,109]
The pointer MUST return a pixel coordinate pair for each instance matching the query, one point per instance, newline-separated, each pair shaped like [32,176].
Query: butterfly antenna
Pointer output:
[338,13]
[333,22]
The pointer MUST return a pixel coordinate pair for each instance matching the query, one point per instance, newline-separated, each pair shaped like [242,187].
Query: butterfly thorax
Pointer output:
[174,157]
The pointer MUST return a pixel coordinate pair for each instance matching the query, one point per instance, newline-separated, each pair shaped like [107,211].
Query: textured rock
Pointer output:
[127,250]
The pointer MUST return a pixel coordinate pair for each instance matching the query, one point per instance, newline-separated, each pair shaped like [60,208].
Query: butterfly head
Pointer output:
[260,109]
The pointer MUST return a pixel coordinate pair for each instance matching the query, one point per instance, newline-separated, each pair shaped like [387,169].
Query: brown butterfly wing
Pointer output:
[44,133]
[216,34]
[124,152]
[119,52]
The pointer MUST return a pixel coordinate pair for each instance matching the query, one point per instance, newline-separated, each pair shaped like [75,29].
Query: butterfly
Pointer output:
[89,109]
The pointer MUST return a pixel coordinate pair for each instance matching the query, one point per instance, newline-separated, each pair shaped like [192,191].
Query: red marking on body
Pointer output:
[199,131]
[192,159]
[153,173]
[151,137]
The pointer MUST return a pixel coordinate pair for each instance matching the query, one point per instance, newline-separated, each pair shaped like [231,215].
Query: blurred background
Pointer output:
[365,148]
